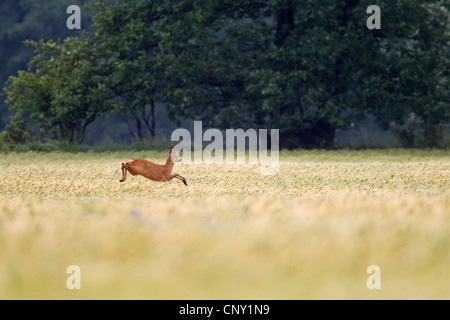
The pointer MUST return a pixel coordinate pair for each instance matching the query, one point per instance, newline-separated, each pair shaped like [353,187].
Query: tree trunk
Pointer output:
[139,129]
[285,23]
[432,134]
[317,135]
[71,135]
[129,127]
[152,130]
[150,126]
[88,122]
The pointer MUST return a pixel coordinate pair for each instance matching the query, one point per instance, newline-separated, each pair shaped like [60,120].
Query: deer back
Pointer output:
[148,169]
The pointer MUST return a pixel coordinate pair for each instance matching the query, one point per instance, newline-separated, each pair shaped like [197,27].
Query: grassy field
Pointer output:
[308,232]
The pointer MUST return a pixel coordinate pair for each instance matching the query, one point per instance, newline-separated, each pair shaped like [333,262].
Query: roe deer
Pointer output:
[153,171]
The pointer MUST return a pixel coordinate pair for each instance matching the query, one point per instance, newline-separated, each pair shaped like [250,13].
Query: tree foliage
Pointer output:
[312,68]
[33,20]
[62,90]
[132,58]
[307,68]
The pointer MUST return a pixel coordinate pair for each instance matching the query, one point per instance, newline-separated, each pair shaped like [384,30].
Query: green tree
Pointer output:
[307,68]
[214,47]
[62,91]
[132,56]
[313,68]
[409,83]
[22,20]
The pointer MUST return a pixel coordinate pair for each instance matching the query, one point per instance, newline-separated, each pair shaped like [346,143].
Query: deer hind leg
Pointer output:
[124,172]
[176,175]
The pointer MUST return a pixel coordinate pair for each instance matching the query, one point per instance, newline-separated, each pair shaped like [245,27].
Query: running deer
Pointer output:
[153,171]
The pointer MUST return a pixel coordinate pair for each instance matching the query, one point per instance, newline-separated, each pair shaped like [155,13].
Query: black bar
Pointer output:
[223,309]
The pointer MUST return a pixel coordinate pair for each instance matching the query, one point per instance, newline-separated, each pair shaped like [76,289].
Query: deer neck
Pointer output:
[169,162]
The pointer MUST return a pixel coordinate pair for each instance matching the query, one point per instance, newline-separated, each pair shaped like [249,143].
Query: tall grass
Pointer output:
[310,231]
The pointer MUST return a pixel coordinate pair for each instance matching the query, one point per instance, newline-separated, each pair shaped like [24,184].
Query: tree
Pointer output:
[305,68]
[33,20]
[411,83]
[126,32]
[62,91]
[314,69]
[214,47]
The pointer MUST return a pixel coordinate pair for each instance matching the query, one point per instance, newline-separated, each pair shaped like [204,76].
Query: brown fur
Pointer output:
[151,170]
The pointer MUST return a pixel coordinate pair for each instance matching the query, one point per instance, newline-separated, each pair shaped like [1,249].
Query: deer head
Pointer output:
[173,154]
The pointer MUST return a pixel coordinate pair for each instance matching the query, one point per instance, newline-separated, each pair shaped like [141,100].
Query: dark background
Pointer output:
[313,70]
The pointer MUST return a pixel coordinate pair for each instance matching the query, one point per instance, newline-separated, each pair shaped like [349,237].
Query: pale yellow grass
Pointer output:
[309,231]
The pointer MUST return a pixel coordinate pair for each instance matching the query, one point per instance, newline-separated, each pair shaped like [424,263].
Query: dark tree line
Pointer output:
[306,67]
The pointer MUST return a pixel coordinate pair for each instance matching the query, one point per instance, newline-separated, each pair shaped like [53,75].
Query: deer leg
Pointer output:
[124,173]
[176,175]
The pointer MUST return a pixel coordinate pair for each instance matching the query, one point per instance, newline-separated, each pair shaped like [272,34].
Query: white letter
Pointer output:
[224,309]
[74,21]
[269,165]
[74,281]
[184,145]
[374,21]
[198,142]
[240,147]
[216,145]
[374,281]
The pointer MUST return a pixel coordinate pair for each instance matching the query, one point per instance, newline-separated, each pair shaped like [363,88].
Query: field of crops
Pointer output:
[310,231]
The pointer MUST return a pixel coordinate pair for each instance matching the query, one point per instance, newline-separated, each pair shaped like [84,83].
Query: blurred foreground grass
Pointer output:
[310,231]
